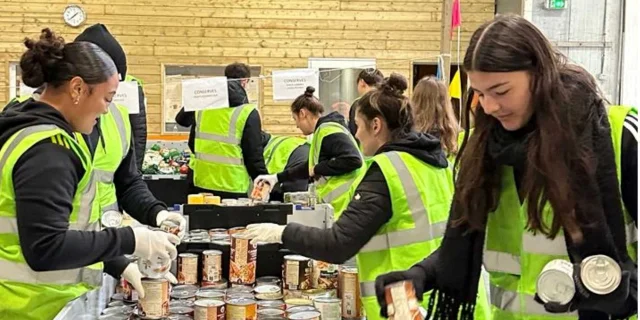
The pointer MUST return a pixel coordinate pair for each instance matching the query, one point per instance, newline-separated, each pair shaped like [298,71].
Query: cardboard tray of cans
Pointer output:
[207,216]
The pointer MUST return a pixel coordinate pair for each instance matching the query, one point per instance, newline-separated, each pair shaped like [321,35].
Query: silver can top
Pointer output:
[555,282]
[600,274]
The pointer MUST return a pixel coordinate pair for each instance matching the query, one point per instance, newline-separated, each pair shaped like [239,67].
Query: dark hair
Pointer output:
[307,101]
[371,76]
[237,70]
[388,102]
[49,60]
[563,96]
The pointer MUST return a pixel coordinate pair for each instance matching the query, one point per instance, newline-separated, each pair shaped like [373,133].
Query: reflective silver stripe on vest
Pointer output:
[230,138]
[510,301]
[497,261]
[368,288]
[117,116]
[632,233]
[219,159]
[103,176]
[338,191]
[20,272]
[423,230]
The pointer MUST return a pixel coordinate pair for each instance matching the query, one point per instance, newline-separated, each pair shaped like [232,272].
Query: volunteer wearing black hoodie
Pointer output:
[282,152]
[399,207]
[334,158]
[227,180]
[51,246]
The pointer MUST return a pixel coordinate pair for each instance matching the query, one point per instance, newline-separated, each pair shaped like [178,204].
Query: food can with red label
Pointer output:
[155,304]
[187,268]
[211,267]
[242,267]
[241,309]
[297,272]
[350,293]
[402,302]
[209,310]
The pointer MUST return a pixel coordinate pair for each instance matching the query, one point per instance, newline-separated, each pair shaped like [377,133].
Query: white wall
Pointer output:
[630,86]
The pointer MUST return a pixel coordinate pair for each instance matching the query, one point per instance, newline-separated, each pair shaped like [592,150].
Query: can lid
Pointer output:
[555,285]
[296,257]
[241,302]
[210,294]
[270,312]
[180,303]
[209,303]
[241,235]
[296,309]
[349,269]
[600,274]
[298,302]
[270,303]
[267,288]
[212,252]
[188,255]
[304,315]
[327,300]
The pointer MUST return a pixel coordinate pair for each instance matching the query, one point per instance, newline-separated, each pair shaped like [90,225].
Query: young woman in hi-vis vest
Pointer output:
[537,200]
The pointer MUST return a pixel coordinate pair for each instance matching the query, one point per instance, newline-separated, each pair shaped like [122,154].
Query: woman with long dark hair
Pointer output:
[537,183]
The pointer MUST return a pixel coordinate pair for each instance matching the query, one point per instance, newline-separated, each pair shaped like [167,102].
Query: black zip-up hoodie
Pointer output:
[367,212]
[45,180]
[338,155]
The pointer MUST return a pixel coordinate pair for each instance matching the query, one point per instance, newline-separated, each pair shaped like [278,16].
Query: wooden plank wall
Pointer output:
[275,34]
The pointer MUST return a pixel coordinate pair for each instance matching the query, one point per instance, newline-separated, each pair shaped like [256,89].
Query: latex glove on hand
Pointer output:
[172,218]
[312,172]
[265,233]
[133,276]
[416,274]
[152,244]
[271,179]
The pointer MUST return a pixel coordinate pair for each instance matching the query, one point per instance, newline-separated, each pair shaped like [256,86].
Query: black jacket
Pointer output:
[299,156]
[367,212]
[629,166]
[338,155]
[100,36]
[353,128]
[251,142]
[45,179]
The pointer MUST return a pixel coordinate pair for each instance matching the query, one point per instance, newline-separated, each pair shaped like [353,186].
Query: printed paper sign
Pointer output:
[205,93]
[289,84]
[128,96]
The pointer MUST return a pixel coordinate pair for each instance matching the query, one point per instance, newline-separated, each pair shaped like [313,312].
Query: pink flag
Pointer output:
[456,18]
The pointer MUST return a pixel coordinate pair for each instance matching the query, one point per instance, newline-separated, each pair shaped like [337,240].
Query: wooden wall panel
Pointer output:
[274,34]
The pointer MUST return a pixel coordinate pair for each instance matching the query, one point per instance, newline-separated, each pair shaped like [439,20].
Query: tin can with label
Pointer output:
[555,282]
[209,310]
[184,292]
[325,275]
[268,280]
[266,313]
[401,300]
[187,268]
[129,293]
[154,269]
[211,267]
[350,293]
[210,295]
[297,272]
[242,267]
[268,292]
[600,274]
[235,230]
[329,308]
[218,232]
[312,294]
[306,315]
[241,309]
[297,309]
[271,304]
[111,219]
[297,302]
[155,304]
[198,232]
[187,311]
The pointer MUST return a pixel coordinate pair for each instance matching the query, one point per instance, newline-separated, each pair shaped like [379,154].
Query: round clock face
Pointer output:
[74,15]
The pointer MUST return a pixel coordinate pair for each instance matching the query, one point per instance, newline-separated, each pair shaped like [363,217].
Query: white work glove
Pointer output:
[265,233]
[271,179]
[132,274]
[153,244]
[174,217]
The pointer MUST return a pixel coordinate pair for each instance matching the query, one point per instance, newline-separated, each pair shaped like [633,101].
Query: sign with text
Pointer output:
[289,84]
[128,96]
[205,93]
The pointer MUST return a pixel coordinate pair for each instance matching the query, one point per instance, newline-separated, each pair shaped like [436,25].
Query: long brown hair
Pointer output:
[556,162]
[433,112]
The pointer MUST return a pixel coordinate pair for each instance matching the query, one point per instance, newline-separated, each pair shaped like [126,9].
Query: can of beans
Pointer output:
[401,301]
[187,268]
[241,309]
[211,267]
[271,304]
[297,272]
[555,282]
[242,267]
[350,293]
[209,310]
[329,308]
[155,304]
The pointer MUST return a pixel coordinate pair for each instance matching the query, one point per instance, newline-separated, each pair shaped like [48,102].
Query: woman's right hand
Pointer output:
[271,179]
[151,244]
[416,274]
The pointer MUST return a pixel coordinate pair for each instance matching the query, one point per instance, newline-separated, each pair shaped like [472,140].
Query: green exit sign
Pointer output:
[556,4]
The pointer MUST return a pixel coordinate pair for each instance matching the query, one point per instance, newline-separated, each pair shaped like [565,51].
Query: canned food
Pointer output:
[401,301]
[210,295]
[187,268]
[218,231]
[292,294]
[222,285]
[268,292]
[325,275]
[111,219]
[179,317]
[235,230]
[181,310]
[209,310]
[211,199]
[195,199]
[238,288]
[198,233]
[154,269]
[241,309]
[297,272]
[329,308]
[262,313]
[211,267]
[600,274]
[307,315]
[312,294]
[350,293]
[184,292]
[124,310]
[241,295]
[297,302]
[242,268]
[296,309]
[155,304]
[129,293]
[271,304]
[170,226]
[555,282]
[261,191]
[268,280]
[181,303]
